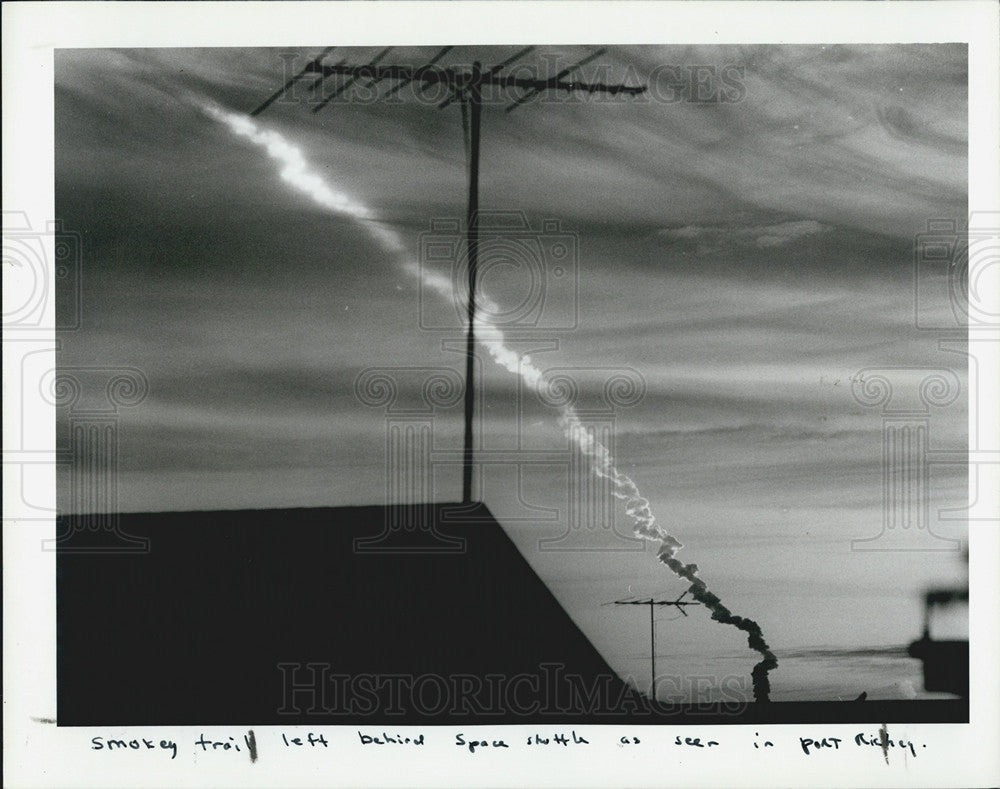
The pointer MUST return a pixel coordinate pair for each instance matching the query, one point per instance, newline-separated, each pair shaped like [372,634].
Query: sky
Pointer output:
[745,256]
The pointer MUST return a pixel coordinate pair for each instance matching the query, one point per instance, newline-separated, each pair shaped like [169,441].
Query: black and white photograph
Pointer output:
[409,394]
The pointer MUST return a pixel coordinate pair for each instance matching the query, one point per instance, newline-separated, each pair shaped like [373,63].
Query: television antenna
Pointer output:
[465,86]
[679,603]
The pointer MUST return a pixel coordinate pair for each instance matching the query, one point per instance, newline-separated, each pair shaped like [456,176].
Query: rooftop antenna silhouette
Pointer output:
[679,603]
[465,86]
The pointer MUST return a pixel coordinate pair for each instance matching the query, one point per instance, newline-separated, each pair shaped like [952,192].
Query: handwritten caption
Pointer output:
[246,744]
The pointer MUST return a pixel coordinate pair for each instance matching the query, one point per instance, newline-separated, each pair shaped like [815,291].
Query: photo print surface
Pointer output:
[701,457]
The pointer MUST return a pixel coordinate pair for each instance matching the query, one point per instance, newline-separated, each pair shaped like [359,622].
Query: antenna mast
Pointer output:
[652,630]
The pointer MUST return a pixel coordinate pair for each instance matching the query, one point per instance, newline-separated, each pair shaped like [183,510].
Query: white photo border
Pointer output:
[37,753]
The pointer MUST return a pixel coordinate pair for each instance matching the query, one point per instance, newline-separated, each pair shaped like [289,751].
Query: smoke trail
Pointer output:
[296,172]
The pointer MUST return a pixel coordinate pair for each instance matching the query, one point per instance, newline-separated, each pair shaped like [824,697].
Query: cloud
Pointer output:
[882,128]
[735,254]
[779,235]
[760,236]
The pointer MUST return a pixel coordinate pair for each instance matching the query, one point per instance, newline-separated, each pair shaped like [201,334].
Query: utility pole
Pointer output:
[466,87]
[474,105]
[652,630]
